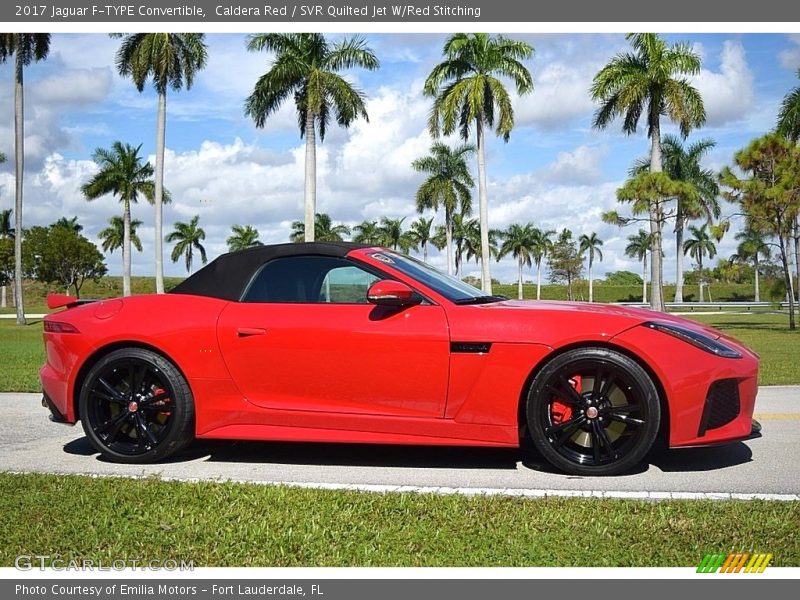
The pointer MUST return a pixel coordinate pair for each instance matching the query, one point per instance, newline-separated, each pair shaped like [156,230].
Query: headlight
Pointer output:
[696,339]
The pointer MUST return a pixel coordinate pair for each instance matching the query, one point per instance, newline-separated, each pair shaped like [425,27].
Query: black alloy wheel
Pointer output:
[136,407]
[593,411]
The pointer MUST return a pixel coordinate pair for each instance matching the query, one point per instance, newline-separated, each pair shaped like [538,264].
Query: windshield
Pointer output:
[448,286]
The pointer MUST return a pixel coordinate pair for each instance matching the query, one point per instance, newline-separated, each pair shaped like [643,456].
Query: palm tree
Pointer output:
[188,237]
[650,81]
[752,246]
[122,174]
[518,241]
[683,164]
[6,232]
[541,243]
[324,230]
[243,236]
[638,247]
[71,224]
[368,232]
[391,231]
[306,66]
[448,186]
[420,235]
[170,60]
[466,91]
[113,236]
[591,244]
[6,228]
[25,48]
[698,246]
[789,115]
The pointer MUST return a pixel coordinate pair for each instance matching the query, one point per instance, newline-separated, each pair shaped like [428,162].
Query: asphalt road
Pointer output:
[29,442]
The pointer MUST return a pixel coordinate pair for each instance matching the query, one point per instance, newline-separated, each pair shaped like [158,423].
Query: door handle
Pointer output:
[248,331]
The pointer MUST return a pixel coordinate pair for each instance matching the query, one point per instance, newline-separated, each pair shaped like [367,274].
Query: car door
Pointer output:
[305,338]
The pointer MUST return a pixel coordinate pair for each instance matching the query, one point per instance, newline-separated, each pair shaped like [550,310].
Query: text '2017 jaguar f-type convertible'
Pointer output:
[338,342]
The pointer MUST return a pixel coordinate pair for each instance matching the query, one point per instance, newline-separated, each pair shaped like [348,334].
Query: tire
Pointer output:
[593,411]
[136,407]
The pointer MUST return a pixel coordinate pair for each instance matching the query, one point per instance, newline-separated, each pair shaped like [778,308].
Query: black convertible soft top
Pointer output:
[227,276]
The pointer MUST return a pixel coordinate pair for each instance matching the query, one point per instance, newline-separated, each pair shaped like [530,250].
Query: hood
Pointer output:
[555,322]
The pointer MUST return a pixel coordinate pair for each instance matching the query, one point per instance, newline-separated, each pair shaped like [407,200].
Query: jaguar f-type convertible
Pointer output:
[338,342]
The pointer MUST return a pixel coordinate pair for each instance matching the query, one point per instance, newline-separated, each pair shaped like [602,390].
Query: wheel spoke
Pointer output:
[604,439]
[146,402]
[113,426]
[612,378]
[141,426]
[595,445]
[566,433]
[596,389]
[572,394]
[136,377]
[550,431]
[115,396]
[625,419]
[624,408]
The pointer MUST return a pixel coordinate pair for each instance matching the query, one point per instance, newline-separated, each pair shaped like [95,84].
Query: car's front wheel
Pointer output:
[593,411]
[136,406]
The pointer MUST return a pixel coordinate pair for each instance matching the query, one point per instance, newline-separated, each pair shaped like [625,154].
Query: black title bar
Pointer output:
[443,11]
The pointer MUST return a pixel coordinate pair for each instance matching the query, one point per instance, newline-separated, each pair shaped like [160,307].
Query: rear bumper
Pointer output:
[55,414]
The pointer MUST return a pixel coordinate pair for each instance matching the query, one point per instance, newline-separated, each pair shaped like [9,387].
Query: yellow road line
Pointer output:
[777,416]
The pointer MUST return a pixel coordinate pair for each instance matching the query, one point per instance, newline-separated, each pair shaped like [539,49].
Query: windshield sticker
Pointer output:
[383,258]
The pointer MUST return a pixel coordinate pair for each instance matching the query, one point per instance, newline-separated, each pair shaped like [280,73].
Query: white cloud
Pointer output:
[790,58]
[561,94]
[582,165]
[728,94]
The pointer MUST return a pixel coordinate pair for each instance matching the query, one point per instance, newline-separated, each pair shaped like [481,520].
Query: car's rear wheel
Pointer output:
[593,411]
[136,407]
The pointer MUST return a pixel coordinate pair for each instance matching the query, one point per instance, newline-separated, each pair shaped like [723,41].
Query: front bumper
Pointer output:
[709,399]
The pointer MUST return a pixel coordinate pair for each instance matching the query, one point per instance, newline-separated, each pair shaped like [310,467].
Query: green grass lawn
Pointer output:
[22,351]
[227,524]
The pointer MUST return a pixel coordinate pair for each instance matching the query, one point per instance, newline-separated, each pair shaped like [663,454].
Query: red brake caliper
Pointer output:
[164,402]
[560,411]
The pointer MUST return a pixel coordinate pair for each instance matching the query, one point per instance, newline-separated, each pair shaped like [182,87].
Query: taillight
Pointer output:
[59,327]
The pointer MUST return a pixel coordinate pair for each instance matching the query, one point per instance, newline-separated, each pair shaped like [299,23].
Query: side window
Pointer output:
[310,279]
[346,285]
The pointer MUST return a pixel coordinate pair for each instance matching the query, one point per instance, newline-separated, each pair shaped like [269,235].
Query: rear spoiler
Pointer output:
[63,300]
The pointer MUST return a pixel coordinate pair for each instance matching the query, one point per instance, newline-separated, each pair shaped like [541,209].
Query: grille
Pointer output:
[722,405]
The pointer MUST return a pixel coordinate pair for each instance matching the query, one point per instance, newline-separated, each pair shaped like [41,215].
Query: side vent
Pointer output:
[722,405]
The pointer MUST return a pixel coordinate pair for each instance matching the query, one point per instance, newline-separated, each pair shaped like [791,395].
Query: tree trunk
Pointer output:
[19,158]
[787,279]
[126,248]
[797,255]
[644,278]
[591,293]
[539,280]
[758,291]
[161,126]
[679,225]
[486,277]
[425,252]
[189,260]
[448,233]
[656,269]
[310,204]
[519,278]
[700,275]
[3,299]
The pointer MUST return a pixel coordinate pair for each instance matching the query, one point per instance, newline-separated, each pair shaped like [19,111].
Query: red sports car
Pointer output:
[337,342]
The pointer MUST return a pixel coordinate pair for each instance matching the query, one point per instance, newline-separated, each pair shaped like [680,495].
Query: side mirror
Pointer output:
[388,292]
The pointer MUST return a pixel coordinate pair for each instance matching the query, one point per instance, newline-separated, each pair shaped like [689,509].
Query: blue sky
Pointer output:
[556,171]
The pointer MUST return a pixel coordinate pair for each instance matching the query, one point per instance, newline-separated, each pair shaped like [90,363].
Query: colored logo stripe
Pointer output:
[734,563]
